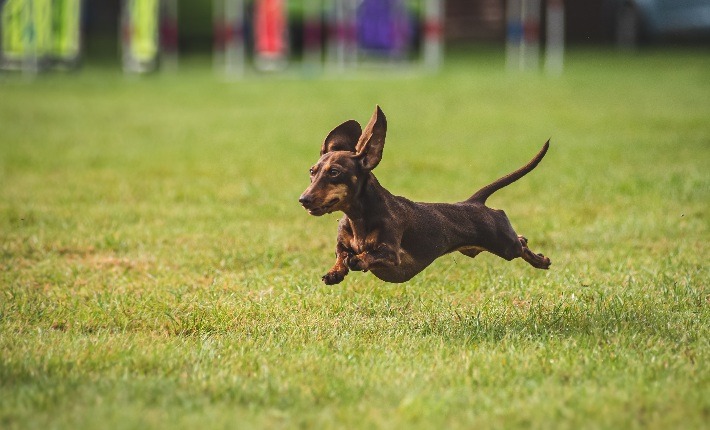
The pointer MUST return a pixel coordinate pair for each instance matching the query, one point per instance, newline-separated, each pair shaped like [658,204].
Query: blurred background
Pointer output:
[467,21]
[273,33]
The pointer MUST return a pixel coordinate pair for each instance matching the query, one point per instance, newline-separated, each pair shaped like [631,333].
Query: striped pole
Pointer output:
[342,45]
[229,36]
[522,34]
[433,44]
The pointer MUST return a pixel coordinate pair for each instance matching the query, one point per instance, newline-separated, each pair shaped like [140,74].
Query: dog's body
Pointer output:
[392,236]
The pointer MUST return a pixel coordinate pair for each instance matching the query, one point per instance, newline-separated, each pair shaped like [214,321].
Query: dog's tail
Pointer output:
[485,192]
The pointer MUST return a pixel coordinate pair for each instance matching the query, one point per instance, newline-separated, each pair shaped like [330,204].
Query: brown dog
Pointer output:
[392,236]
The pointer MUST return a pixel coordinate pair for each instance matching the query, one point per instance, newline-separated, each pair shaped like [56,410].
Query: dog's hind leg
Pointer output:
[501,240]
[538,261]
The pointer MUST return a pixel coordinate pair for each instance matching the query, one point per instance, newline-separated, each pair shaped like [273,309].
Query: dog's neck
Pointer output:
[368,204]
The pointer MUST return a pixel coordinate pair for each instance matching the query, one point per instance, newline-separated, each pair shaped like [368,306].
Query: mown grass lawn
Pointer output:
[158,272]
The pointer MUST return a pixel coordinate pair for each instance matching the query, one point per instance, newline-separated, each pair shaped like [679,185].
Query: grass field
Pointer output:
[158,272]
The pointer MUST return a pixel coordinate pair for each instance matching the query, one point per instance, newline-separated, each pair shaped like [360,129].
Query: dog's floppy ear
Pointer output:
[372,141]
[343,137]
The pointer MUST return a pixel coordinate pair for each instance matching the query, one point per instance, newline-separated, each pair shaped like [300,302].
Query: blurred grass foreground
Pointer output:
[158,272]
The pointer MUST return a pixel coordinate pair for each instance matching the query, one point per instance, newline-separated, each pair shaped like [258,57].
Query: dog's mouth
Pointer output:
[324,209]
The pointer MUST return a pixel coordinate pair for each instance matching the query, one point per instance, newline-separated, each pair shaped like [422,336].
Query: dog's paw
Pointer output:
[332,278]
[357,264]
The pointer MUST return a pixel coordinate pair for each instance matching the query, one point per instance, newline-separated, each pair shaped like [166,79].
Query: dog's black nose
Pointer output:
[305,200]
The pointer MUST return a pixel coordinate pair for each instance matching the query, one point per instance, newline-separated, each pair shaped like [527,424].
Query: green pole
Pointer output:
[66,34]
[42,24]
[144,20]
[14,22]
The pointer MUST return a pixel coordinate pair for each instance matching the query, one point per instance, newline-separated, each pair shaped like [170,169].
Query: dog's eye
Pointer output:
[333,173]
[312,171]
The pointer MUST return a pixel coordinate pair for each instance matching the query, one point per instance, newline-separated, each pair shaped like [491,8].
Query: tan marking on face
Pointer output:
[339,191]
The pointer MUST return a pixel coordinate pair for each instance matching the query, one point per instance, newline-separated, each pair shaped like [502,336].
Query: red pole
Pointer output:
[270,27]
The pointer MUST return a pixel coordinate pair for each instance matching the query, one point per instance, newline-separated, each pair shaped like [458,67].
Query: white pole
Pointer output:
[350,35]
[337,45]
[514,34]
[555,37]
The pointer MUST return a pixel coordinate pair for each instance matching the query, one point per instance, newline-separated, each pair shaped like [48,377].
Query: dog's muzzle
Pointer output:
[308,202]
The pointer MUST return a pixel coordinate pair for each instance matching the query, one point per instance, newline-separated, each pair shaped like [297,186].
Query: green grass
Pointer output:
[157,271]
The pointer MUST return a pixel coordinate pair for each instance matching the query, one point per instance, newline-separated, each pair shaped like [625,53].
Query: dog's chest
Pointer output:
[364,241]
[360,237]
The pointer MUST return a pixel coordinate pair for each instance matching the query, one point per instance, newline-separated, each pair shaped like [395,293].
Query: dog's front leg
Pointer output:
[340,269]
[384,255]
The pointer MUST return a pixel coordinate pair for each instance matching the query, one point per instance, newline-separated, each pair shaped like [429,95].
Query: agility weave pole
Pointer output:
[270,35]
[524,33]
[229,37]
[149,34]
[39,34]
[336,36]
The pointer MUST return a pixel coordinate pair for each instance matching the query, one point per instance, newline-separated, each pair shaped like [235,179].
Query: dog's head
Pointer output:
[347,157]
